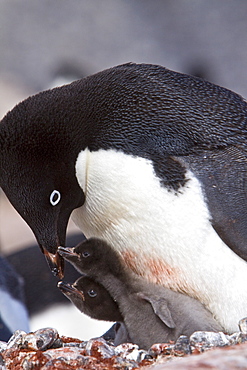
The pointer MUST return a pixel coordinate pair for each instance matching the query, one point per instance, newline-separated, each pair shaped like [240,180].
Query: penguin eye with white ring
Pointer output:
[92,293]
[86,254]
[55,197]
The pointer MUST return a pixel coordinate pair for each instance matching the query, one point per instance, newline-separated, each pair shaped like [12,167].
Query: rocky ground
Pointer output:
[45,349]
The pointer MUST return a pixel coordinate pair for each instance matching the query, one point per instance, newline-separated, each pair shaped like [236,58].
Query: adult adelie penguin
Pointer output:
[151,161]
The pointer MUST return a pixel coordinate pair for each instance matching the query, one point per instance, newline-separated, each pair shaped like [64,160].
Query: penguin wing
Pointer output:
[223,177]
[160,308]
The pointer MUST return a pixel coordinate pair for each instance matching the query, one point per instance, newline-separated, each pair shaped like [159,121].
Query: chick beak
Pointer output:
[55,262]
[68,289]
[67,252]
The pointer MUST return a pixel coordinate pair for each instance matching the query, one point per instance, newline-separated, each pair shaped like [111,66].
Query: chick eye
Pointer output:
[55,197]
[85,254]
[92,293]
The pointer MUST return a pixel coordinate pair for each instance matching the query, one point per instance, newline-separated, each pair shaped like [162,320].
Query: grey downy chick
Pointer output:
[151,313]
[92,299]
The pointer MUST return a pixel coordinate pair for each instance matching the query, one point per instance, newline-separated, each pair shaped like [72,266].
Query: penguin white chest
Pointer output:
[162,235]
[127,206]
[124,197]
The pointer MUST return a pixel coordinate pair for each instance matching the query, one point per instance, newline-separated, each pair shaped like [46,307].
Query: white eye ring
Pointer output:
[55,197]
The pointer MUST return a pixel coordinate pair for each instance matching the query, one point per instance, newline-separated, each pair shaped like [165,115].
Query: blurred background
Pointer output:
[51,42]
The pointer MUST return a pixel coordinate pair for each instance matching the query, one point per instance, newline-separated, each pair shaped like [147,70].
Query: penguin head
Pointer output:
[92,299]
[94,255]
[37,173]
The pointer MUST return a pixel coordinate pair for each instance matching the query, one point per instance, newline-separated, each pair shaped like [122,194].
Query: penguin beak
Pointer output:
[68,289]
[67,252]
[55,262]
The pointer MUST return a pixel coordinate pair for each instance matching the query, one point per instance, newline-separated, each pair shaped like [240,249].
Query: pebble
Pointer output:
[44,349]
[2,366]
[3,346]
[39,340]
[202,341]
[128,350]
[243,325]
[100,347]
[182,346]
[16,340]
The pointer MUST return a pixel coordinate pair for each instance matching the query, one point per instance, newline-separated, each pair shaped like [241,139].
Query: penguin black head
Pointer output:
[92,299]
[92,255]
[38,175]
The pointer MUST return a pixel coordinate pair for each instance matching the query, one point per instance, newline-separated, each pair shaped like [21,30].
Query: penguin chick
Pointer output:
[151,313]
[92,299]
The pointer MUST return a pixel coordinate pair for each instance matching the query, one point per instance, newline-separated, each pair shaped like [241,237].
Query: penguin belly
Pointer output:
[163,235]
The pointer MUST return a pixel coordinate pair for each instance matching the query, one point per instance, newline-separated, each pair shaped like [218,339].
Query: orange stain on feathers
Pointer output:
[154,270]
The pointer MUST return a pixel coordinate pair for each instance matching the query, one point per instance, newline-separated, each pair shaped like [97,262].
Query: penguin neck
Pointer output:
[115,286]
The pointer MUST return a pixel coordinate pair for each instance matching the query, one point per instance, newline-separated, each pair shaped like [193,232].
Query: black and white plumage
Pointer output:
[13,310]
[151,161]
[150,312]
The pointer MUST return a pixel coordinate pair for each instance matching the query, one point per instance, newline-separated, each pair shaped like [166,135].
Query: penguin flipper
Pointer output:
[223,176]
[160,308]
